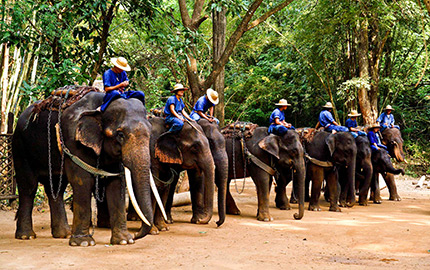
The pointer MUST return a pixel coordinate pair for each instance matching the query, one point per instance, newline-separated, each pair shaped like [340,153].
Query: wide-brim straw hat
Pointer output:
[212,96]
[177,87]
[328,105]
[121,63]
[283,102]
[389,108]
[354,113]
[375,125]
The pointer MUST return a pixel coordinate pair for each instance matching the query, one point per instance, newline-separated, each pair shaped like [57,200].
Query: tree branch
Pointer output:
[268,14]
[186,20]
[198,7]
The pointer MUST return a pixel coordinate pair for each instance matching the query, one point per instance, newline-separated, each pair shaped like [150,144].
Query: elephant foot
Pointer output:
[362,202]
[61,232]
[25,235]
[266,217]
[82,241]
[123,238]
[233,210]
[395,197]
[334,208]
[343,204]
[154,231]
[283,205]
[169,219]
[162,226]
[314,207]
[199,220]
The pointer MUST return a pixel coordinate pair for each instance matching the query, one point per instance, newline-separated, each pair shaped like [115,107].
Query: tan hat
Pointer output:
[389,108]
[177,87]
[121,63]
[375,125]
[283,102]
[212,96]
[328,105]
[354,113]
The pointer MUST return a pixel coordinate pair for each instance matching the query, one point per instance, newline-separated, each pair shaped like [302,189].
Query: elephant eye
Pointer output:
[120,136]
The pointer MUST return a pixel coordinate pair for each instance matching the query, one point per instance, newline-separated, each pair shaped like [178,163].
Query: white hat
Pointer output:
[354,113]
[120,63]
[212,96]
[328,105]
[283,102]
[177,87]
[389,108]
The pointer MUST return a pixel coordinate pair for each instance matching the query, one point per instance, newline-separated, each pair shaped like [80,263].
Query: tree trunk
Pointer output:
[427,3]
[219,29]
[363,67]
[4,84]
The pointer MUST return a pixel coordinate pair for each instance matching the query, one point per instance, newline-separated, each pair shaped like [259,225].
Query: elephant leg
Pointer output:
[332,186]
[197,195]
[231,207]
[103,220]
[169,202]
[375,193]
[59,225]
[82,187]
[281,198]
[343,188]
[317,175]
[308,178]
[391,184]
[27,187]
[115,197]
[159,221]
[262,182]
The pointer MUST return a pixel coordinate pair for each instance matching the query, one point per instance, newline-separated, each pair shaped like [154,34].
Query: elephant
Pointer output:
[340,150]
[382,164]
[281,154]
[170,154]
[363,169]
[119,135]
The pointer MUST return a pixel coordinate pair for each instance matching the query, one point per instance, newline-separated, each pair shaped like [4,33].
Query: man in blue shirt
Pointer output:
[174,109]
[386,119]
[115,81]
[375,141]
[278,126]
[205,104]
[351,124]
[326,120]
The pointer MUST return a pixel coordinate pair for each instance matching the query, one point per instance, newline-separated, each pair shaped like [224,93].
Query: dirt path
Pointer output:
[392,235]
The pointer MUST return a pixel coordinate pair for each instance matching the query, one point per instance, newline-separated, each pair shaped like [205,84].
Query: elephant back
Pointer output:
[239,129]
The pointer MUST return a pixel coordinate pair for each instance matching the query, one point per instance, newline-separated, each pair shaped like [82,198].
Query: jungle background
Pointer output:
[358,54]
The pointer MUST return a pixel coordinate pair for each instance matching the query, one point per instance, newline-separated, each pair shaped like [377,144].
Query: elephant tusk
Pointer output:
[132,197]
[156,195]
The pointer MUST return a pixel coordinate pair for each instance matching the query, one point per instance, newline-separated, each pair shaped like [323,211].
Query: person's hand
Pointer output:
[125,83]
[181,118]
[211,120]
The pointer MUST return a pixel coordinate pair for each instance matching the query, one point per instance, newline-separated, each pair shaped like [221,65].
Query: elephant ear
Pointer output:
[270,144]
[89,130]
[331,143]
[166,149]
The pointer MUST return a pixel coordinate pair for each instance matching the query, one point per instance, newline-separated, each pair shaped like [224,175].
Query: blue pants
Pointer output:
[196,117]
[114,94]
[175,124]
[279,129]
[385,126]
[358,133]
[337,128]
[379,145]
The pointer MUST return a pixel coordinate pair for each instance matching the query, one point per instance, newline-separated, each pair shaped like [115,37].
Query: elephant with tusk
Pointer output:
[118,137]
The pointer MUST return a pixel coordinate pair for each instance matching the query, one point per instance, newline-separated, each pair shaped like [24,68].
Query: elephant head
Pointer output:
[382,163]
[392,138]
[190,149]
[343,153]
[121,134]
[289,155]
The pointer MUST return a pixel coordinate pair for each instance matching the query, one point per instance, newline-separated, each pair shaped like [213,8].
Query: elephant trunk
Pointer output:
[367,178]
[350,202]
[299,186]
[390,169]
[221,176]
[138,164]
[209,187]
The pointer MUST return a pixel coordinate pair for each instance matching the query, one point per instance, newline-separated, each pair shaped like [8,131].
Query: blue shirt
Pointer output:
[326,118]
[111,78]
[386,119]
[277,113]
[349,123]
[373,138]
[179,106]
[202,105]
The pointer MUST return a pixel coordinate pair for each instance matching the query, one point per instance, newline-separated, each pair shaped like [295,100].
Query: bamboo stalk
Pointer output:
[4,84]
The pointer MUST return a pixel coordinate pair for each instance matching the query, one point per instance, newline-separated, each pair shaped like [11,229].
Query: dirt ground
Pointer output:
[392,235]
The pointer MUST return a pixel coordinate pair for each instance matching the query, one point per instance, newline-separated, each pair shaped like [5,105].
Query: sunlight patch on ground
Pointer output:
[275,226]
[374,247]
[348,222]
[380,216]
